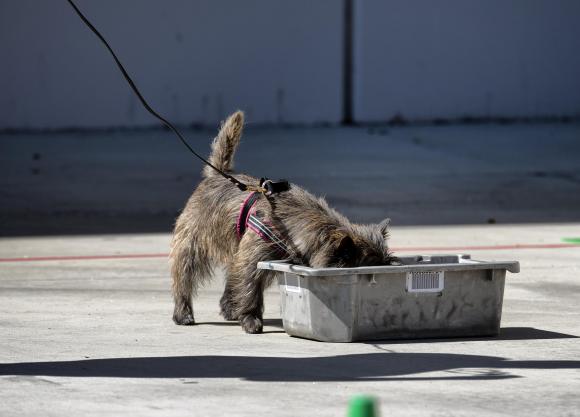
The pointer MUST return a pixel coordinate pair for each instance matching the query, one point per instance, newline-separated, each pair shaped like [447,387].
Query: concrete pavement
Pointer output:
[88,331]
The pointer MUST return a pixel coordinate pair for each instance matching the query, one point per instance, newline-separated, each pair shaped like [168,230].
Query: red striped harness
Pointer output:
[248,219]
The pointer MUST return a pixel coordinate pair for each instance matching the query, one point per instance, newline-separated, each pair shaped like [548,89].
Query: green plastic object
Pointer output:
[363,406]
[574,240]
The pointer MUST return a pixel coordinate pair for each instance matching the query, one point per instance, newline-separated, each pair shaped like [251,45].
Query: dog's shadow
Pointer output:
[267,323]
[377,366]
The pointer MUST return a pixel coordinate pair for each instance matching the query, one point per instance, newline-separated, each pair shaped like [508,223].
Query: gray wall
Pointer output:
[281,61]
[194,60]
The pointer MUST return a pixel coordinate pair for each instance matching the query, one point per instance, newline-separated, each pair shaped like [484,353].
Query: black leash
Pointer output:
[271,187]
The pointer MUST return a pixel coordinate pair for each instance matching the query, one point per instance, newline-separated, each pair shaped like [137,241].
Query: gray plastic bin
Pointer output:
[426,296]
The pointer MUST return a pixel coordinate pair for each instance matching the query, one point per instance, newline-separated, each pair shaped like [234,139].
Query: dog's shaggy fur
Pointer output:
[205,235]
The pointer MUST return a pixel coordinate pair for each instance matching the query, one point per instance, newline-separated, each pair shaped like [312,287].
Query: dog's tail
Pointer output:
[224,145]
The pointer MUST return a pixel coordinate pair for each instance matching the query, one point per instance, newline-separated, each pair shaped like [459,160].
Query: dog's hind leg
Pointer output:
[190,266]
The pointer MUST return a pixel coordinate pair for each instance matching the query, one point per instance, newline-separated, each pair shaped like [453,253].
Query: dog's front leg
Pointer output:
[248,283]
[227,303]
[250,300]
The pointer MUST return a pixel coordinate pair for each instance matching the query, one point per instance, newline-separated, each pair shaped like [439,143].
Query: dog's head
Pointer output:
[357,245]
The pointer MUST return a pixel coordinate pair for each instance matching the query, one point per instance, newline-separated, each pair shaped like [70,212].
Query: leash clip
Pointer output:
[273,187]
[267,187]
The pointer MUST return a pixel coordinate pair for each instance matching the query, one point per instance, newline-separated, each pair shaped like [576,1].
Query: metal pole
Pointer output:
[347,63]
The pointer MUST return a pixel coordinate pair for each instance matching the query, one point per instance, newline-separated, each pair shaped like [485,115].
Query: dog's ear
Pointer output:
[345,251]
[384,228]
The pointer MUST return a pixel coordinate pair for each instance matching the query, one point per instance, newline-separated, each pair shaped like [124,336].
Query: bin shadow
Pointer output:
[506,333]
[381,366]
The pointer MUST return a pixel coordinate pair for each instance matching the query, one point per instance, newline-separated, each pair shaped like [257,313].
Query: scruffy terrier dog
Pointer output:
[293,224]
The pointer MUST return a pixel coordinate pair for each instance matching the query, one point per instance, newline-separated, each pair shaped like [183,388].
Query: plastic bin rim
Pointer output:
[284,266]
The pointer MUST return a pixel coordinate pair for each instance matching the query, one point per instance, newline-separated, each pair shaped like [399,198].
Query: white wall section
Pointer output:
[449,58]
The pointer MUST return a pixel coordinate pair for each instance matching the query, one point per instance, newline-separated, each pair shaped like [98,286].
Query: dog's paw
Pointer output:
[251,324]
[184,320]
